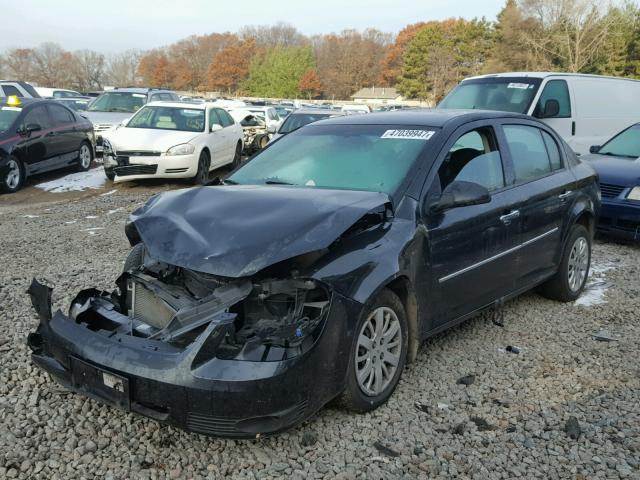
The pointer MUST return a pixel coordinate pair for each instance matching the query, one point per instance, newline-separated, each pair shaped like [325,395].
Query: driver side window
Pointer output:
[474,157]
[213,118]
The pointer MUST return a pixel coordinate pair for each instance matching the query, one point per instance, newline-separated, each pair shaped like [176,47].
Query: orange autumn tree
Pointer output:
[155,70]
[310,83]
[230,67]
[392,62]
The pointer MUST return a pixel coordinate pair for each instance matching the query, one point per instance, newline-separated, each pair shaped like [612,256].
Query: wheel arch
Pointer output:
[402,287]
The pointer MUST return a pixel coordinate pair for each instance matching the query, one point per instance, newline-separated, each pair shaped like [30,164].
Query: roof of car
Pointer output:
[137,90]
[189,105]
[24,101]
[311,111]
[545,75]
[427,117]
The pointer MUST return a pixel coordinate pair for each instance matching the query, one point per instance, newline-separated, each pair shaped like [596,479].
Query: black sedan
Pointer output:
[38,136]
[317,269]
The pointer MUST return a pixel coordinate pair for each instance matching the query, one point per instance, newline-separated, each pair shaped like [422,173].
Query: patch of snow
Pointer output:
[108,193]
[596,288]
[91,229]
[75,182]
[111,212]
[91,216]
[30,216]
[70,222]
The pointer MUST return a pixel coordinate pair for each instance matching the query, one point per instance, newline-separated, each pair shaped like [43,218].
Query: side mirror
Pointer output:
[595,148]
[215,127]
[30,128]
[271,129]
[551,109]
[461,194]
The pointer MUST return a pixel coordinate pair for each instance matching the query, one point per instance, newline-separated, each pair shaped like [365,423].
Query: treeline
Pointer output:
[424,60]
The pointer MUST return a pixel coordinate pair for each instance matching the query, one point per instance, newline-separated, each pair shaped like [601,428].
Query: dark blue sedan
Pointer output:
[618,165]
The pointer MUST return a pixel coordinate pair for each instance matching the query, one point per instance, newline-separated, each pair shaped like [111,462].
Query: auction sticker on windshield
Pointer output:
[409,134]
[521,86]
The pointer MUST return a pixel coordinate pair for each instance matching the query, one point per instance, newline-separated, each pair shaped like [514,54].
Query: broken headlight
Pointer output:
[280,319]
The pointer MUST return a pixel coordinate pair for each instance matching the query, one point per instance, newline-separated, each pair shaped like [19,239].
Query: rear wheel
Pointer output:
[378,354]
[85,156]
[202,175]
[263,141]
[569,281]
[110,173]
[13,176]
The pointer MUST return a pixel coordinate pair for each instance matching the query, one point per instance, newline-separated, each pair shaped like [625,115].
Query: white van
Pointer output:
[57,92]
[584,109]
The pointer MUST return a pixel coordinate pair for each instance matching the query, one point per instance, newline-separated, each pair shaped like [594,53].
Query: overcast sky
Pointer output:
[114,25]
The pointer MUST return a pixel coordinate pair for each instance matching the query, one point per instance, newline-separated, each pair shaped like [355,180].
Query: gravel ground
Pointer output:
[566,406]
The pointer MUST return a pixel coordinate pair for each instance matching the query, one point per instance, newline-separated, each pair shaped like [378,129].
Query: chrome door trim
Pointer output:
[499,255]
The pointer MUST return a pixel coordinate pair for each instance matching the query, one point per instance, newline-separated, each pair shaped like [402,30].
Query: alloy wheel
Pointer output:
[85,156]
[578,263]
[378,351]
[13,175]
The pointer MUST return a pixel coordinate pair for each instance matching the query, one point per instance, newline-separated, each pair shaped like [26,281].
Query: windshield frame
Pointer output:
[403,187]
[117,92]
[630,127]
[493,80]
[186,107]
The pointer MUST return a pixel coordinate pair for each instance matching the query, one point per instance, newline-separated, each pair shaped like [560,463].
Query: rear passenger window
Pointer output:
[528,152]
[60,115]
[552,150]
[474,157]
[555,90]
[225,118]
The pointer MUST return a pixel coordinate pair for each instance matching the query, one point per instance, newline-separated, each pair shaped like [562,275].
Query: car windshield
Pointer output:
[625,144]
[168,118]
[125,102]
[258,113]
[8,115]
[502,94]
[297,120]
[376,158]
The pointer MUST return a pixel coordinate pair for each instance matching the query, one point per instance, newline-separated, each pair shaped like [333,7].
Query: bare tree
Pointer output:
[121,69]
[279,35]
[19,64]
[574,31]
[88,70]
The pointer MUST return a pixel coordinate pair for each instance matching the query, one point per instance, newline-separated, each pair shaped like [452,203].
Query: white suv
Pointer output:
[9,88]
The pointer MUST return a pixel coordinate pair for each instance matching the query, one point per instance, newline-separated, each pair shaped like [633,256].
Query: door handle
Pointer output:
[512,215]
[563,196]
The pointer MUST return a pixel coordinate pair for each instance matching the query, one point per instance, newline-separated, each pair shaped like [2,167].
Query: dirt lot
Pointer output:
[509,418]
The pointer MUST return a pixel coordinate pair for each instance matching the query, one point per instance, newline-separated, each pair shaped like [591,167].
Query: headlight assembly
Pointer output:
[634,194]
[182,149]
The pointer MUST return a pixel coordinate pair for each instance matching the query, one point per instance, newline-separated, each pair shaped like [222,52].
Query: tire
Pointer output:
[85,157]
[111,175]
[262,142]
[202,175]
[568,282]
[13,176]
[366,394]
[135,258]
[237,157]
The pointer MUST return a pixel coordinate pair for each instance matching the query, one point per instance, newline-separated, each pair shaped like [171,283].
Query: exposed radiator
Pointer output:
[148,308]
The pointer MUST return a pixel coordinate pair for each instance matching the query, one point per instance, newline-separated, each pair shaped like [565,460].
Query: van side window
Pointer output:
[553,151]
[474,157]
[555,90]
[10,90]
[528,152]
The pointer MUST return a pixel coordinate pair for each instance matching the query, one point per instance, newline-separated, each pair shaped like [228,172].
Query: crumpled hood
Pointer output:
[236,231]
[124,138]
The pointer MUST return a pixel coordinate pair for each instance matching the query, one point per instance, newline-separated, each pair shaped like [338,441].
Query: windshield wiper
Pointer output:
[275,181]
[611,154]
[229,182]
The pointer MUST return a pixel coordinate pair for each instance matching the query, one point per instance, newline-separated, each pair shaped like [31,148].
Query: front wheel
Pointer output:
[13,176]
[569,281]
[85,156]
[202,175]
[378,354]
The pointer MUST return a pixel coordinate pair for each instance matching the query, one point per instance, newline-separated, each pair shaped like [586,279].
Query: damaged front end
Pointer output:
[166,331]
[230,335]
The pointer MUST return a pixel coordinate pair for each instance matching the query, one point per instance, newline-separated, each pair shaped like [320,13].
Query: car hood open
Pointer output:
[237,230]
